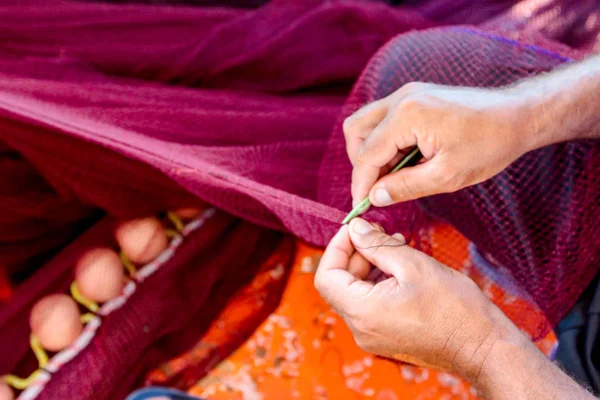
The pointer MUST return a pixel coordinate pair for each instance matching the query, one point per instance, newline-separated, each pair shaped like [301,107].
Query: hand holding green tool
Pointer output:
[409,160]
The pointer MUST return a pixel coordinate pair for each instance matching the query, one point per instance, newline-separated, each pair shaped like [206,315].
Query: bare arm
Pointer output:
[517,370]
[564,104]
[430,315]
[467,135]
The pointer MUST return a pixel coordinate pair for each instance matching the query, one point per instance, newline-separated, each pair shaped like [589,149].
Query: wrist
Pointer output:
[489,357]
[482,340]
[532,105]
[503,351]
[510,359]
[560,106]
[522,124]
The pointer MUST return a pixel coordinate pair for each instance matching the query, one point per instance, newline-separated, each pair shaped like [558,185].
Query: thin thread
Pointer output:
[384,244]
[381,245]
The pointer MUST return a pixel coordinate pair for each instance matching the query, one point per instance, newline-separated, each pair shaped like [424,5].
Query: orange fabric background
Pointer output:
[304,350]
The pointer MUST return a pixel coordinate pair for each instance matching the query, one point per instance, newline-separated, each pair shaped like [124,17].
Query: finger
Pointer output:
[359,266]
[390,165]
[384,118]
[411,183]
[338,252]
[363,179]
[388,253]
[376,152]
[359,125]
[333,281]
[373,176]
[368,116]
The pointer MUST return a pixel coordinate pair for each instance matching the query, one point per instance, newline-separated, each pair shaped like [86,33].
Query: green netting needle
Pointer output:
[410,159]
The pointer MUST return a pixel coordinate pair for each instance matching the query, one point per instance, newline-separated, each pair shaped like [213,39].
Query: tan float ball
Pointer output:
[99,275]
[188,212]
[142,240]
[6,392]
[55,321]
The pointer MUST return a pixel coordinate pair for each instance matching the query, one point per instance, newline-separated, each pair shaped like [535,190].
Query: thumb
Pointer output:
[389,253]
[422,180]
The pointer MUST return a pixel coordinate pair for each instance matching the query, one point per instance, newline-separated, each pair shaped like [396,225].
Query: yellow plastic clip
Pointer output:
[87,317]
[39,351]
[171,233]
[23,383]
[20,383]
[176,221]
[127,264]
[81,299]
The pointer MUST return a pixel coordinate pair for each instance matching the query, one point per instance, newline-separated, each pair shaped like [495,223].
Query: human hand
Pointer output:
[467,135]
[425,313]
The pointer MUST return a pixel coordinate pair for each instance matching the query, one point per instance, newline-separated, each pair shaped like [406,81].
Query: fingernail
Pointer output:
[361,226]
[355,203]
[382,197]
[346,122]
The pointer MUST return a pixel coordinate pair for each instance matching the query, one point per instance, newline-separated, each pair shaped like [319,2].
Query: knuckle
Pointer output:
[349,126]
[356,315]
[459,182]
[453,179]
[466,177]
[448,178]
[364,320]
[445,177]
[363,343]
[409,105]
[410,86]
[363,154]
[414,86]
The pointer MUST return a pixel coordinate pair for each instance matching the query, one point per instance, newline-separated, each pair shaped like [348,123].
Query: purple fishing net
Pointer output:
[135,109]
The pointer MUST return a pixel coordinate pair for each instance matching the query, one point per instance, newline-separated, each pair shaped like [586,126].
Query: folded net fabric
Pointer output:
[82,99]
[135,109]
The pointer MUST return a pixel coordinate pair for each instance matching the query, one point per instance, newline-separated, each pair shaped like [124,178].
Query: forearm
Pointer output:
[562,105]
[516,370]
